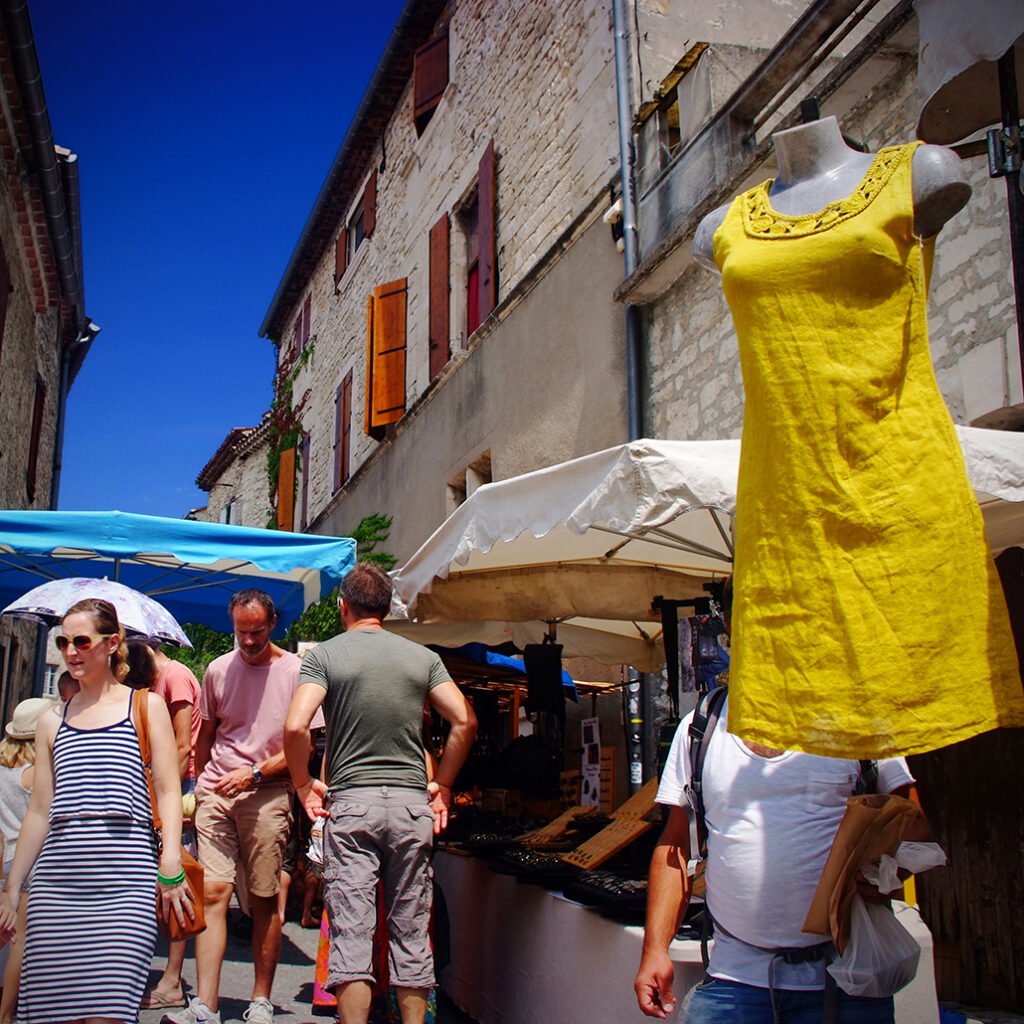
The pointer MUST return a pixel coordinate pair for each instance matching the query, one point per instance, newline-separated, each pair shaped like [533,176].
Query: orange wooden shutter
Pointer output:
[438,324]
[286,490]
[386,390]
[430,78]
[487,280]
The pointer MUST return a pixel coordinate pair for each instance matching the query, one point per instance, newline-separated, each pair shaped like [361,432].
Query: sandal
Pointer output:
[154,1000]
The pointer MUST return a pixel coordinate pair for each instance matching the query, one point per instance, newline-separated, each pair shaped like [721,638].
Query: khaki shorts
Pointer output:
[249,830]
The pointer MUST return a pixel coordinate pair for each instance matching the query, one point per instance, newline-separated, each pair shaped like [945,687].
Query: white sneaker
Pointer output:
[261,1011]
[195,1013]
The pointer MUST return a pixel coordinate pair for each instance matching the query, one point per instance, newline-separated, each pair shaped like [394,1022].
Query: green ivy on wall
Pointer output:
[322,620]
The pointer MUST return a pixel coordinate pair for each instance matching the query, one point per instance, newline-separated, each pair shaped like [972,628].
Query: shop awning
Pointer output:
[191,568]
[599,537]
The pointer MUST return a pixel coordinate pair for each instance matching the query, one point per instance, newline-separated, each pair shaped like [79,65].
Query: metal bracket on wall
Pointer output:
[1004,151]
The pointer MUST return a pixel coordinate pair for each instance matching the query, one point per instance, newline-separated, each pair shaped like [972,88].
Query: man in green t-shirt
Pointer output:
[381,811]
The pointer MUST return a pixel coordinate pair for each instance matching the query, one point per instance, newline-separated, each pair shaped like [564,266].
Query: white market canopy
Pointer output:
[597,538]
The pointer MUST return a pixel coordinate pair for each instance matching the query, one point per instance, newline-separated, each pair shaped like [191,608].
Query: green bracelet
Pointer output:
[176,880]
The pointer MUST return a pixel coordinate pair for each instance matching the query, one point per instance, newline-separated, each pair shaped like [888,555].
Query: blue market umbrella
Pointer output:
[191,568]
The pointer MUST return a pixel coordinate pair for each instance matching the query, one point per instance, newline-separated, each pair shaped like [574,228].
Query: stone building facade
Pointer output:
[44,332]
[719,145]
[454,309]
[695,386]
[236,480]
[510,177]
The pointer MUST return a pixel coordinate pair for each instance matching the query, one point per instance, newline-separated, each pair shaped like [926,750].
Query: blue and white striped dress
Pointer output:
[91,918]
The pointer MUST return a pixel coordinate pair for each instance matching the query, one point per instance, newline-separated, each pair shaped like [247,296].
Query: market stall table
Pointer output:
[522,955]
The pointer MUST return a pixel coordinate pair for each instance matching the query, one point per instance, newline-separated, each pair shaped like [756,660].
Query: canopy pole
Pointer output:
[635,697]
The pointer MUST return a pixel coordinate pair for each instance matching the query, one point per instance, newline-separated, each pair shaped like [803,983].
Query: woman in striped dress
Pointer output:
[91,925]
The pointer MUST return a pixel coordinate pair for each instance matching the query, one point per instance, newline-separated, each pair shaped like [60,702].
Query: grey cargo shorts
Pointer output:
[385,833]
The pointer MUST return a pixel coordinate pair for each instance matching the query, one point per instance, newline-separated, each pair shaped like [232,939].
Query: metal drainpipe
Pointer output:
[634,364]
[637,691]
[85,335]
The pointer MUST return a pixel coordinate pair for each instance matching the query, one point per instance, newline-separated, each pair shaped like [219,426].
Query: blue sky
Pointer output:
[204,131]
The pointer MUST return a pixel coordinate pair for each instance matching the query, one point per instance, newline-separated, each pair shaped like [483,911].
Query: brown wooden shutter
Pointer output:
[304,513]
[286,490]
[34,441]
[370,205]
[297,337]
[439,304]
[487,280]
[340,254]
[430,78]
[386,390]
[342,430]
[377,433]
[307,316]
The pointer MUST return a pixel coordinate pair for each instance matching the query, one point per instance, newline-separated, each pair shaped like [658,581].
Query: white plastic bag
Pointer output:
[881,955]
[912,857]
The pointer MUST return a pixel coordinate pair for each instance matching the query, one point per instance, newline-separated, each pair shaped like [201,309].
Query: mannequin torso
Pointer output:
[816,168]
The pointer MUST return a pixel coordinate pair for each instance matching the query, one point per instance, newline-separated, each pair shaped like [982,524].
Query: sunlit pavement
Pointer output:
[293,984]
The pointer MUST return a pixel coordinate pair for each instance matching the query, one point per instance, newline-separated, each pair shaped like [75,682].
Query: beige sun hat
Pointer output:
[22,725]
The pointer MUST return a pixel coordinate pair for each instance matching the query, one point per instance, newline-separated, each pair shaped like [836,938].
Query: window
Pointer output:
[430,78]
[231,513]
[477,223]
[286,490]
[440,345]
[473,476]
[37,430]
[342,430]
[360,226]
[50,681]
[302,324]
[385,357]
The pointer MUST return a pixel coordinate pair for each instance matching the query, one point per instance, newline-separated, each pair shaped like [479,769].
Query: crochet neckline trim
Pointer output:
[761,220]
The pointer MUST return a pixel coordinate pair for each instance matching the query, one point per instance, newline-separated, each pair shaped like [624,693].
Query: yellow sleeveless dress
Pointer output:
[869,620]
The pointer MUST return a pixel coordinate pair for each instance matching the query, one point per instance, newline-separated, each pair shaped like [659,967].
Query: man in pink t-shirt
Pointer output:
[244,800]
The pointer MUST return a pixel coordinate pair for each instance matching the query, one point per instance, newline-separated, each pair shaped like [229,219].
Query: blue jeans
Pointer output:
[716,1000]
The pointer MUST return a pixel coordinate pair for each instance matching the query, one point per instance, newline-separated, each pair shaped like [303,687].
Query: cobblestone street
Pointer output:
[293,985]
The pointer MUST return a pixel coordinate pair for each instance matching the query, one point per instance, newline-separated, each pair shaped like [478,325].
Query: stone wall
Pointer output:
[536,79]
[695,388]
[29,348]
[243,485]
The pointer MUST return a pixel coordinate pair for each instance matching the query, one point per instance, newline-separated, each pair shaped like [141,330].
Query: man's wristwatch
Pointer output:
[257,775]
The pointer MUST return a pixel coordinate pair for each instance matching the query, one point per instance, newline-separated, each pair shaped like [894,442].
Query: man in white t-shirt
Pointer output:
[771,816]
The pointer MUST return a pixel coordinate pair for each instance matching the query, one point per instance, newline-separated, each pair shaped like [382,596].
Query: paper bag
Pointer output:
[873,825]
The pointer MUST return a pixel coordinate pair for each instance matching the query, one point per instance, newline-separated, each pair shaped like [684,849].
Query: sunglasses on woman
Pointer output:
[80,643]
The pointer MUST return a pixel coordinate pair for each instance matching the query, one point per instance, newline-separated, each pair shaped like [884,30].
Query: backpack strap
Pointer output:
[868,780]
[705,718]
